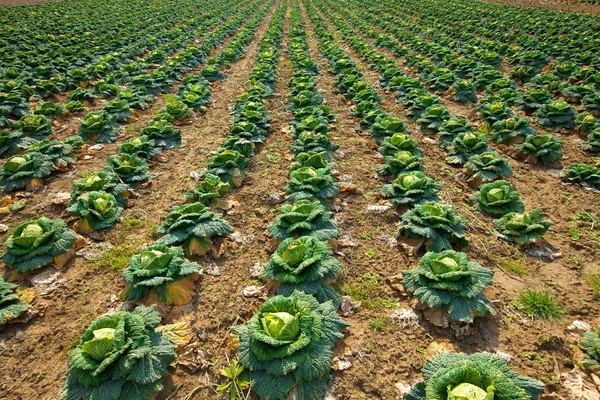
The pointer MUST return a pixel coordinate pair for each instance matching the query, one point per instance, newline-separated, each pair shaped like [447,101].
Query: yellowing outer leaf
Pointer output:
[62,259]
[181,292]
[179,333]
[28,295]
[84,226]
[198,246]
[35,185]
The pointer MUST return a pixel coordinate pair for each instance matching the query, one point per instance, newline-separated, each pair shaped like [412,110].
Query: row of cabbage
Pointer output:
[287,345]
[445,278]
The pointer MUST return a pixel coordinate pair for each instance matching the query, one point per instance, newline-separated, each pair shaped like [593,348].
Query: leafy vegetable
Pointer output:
[304,218]
[449,281]
[498,198]
[208,191]
[228,165]
[18,171]
[97,209]
[304,264]
[99,126]
[164,271]
[556,114]
[578,173]
[466,145]
[120,356]
[140,146]
[287,344]
[163,133]
[11,305]
[311,183]
[522,228]
[102,181]
[411,188]
[194,225]
[511,130]
[488,166]
[590,342]
[541,147]
[402,161]
[479,376]
[130,168]
[399,142]
[438,223]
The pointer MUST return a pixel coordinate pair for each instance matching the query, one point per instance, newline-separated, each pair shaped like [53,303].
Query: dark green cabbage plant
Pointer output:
[450,282]
[287,346]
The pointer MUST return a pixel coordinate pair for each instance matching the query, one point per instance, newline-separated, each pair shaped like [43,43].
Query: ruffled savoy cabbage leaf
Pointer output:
[304,218]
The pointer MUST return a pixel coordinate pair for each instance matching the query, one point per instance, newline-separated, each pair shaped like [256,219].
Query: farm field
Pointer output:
[300,199]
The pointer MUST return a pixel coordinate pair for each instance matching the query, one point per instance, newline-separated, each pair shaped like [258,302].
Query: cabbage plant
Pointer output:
[545,148]
[579,173]
[433,118]
[592,143]
[163,272]
[287,345]
[511,130]
[399,142]
[450,282]
[450,129]
[386,127]
[35,126]
[522,228]
[120,357]
[466,145]
[311,183]
[402,161]
[177,109]
[208,191]
[11,304]
[163,133]
[498,198]
[304,264]
[586,123]
[437,223]
[38,243]
[130,168]
[59,153]
[195,226]
[411,188]
[488,166]
[556,114]
[102,181]
[229,165]
[304,218]
[590,342]
[97,210]
[479,376]
[21,170]
[495,111]
[315,142]
[99,126]
[140,146]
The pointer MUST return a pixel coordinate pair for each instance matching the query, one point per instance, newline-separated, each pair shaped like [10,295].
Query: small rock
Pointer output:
[547,253]
[339,154]
[377,209]
[389,241]
[346,178]
[580,326]
[3,228]
[402,388]
[405,317]
[96,147]
[112,302]
[429,140]
[255,269]
[211,269]
[507,357]
[554,172]
[87,157]
[342,364]
[194,175]
[61,198]
[95,251]
[336,208]
[239,238]
[47,281]
[253,291]
[345,240]
[348,307]
[276,198]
